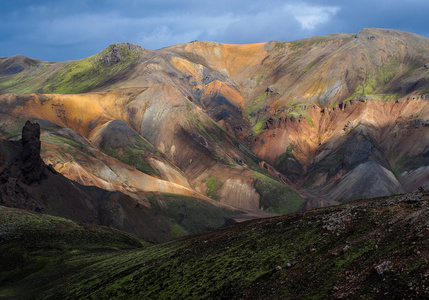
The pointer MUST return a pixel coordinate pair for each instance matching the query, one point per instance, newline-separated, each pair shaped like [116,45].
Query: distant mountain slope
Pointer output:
[230,122]
[27,183]
[172,147]
[373,249]
[103,69]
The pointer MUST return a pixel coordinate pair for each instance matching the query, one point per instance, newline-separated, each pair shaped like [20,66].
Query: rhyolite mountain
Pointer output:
[26,182]
[272,127]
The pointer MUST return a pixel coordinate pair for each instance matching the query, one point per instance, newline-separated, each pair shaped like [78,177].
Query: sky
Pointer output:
[58,30]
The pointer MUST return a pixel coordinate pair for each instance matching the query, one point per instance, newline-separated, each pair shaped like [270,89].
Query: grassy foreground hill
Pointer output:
[363,249]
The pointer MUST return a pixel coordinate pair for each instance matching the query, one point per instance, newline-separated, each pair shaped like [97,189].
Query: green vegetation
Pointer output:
[257,128]
[253,165]
[375,80]
[192,214]
[67,145]
[61,140]
[310,255]
[310,65]
[255,105]
[177,231]
[296,45]
[389,70]
[213,186]
[369,85]
[202,123]
[281,162]
[75,76]
[13,130]
[22,83]
[31,242]
[279,46]
[260,76]
[154,204]
[300,44]
[133,157]
[189,214]
[86,74]
[252,109]
[298,110]
[408,163]
[132,151]
[276,197]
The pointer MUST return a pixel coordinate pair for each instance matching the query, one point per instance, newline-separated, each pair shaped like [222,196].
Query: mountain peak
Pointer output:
[387,32]
[117,52]
[16,64]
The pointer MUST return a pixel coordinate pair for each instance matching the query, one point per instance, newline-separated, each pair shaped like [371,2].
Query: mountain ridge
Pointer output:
[270,127]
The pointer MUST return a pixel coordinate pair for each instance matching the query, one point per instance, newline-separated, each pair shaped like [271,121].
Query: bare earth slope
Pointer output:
[27,183]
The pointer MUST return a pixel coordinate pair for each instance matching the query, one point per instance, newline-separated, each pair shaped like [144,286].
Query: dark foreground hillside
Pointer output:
[364,249]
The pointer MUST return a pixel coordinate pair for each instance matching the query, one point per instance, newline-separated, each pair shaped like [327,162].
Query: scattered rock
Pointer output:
[269,90]
[347,125]
[238,160]
[381,268]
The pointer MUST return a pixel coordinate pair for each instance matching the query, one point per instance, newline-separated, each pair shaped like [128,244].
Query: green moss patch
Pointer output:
[31,242]
[276,197]
[213,186]
[194,215]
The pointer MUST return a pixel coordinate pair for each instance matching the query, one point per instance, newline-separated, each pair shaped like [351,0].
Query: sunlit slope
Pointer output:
[28,183]
[318,151]
[112,65]
[152,140]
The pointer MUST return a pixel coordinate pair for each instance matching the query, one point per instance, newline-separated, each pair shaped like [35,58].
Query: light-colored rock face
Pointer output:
[236,193]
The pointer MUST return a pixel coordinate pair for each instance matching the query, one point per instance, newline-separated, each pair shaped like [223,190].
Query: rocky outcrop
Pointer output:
[117,52]
[32,166]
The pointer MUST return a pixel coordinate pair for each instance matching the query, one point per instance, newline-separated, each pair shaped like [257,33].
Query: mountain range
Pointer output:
[205,134]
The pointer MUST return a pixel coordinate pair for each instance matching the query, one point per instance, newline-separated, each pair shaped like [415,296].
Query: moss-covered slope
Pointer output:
[371,249]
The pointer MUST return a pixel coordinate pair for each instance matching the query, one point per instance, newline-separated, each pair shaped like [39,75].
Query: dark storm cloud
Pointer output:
[60,30]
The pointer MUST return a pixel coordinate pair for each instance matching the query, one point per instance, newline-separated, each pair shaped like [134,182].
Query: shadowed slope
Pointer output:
[361,249]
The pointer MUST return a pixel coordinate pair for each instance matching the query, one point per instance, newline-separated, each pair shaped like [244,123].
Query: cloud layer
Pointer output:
[61,30]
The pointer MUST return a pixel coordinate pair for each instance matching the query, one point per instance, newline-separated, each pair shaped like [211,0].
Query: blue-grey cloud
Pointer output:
[61,29]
